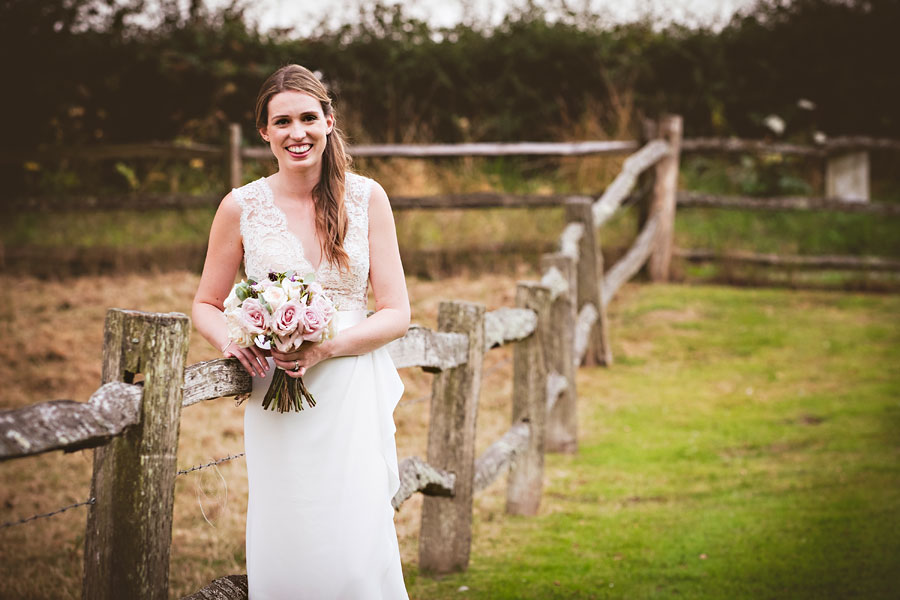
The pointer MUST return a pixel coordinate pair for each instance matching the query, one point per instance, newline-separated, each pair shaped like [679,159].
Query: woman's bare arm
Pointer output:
[223,257]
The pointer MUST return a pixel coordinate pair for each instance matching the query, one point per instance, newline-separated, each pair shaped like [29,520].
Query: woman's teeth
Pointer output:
[299,149]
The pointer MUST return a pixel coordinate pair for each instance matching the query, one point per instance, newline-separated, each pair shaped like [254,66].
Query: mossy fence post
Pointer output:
[530,373]
[129,527]
[589,276]
[662,202]
[234,166]
[562,417]
[445,537]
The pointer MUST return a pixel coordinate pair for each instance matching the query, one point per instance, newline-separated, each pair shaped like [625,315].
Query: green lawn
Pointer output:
[746,444]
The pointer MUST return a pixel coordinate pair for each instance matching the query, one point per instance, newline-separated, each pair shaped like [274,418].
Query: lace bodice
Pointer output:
[269,245]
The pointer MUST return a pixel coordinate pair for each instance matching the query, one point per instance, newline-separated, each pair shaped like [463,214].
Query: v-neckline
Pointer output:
[287,229]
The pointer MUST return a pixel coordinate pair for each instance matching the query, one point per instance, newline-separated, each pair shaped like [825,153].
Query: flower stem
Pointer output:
[286,394]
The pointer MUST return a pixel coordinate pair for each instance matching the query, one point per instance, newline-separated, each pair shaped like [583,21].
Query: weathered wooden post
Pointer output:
[129,528]
[526,475]
[590,281]
[562,421]
[665,189]
[233,164]
[445,537]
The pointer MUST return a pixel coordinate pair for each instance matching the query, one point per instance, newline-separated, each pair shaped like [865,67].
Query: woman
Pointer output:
[319,519]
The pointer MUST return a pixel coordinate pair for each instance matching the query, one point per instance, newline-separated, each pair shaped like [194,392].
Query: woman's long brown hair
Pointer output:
[331,216]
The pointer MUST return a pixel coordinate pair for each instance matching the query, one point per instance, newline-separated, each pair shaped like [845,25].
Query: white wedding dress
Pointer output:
[319,516]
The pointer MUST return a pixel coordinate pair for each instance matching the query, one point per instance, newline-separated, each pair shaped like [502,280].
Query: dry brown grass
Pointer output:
[53,337]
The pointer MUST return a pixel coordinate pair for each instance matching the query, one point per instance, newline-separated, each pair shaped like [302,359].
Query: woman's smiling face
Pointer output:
[297,130]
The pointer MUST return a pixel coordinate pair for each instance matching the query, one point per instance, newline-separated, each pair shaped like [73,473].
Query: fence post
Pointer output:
[233,164]
[129,528]
[562,421]
[590,280]
[665,189]
[445,537]
[530,361]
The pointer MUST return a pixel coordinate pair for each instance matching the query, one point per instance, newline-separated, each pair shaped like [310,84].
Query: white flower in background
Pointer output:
[819,137]
[806,104]
[775,124]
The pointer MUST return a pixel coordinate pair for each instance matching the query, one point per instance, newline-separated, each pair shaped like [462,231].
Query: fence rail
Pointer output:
[795,203]
[145,202]
[837,262]
[171,150]
[830,146]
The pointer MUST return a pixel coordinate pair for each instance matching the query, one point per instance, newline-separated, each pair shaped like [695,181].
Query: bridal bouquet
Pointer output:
[282,311]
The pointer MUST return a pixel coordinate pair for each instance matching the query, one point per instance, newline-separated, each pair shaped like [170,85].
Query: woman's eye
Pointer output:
[281,121]
[310,118]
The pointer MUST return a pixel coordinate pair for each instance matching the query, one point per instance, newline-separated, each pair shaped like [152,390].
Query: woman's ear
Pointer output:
[329,121]
[262,134]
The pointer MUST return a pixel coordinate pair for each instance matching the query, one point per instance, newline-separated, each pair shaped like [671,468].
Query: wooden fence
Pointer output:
[557,323]
[235,152]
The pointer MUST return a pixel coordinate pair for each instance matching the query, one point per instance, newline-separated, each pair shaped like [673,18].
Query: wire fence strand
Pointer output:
[94,500]
[211,463]
[49,514]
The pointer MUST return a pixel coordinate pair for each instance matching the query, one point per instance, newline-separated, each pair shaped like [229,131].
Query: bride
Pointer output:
[319,516]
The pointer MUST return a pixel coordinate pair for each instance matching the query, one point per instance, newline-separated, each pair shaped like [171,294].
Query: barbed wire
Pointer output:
[49,514]
[94,500]
[210,464]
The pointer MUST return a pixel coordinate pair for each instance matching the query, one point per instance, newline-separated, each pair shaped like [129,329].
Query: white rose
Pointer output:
[232,302]
[236,331]
[275,296]
[294,289]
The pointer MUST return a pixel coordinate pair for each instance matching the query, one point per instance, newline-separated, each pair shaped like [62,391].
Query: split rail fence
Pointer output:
[235,152]
[557,324]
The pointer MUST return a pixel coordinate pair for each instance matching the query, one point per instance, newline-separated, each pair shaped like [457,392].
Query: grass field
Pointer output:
[744,445]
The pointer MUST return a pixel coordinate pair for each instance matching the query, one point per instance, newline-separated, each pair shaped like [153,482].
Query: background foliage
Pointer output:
[88,70]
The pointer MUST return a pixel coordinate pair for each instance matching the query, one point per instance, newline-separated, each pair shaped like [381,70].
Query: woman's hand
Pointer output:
[297,362]
[253,358]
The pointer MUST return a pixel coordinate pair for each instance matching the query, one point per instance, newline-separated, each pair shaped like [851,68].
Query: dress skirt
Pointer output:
[319,517]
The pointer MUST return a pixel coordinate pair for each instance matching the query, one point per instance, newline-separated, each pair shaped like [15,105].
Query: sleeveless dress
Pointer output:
[319,517]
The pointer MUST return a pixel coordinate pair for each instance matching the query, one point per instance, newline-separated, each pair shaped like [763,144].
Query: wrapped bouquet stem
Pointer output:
[283,311]
[286,393]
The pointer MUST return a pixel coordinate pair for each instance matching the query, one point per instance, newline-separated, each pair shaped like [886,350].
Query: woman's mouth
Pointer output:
[299,150]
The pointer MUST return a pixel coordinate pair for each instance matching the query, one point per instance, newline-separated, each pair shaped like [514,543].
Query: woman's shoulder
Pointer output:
[255,190]
[358,188]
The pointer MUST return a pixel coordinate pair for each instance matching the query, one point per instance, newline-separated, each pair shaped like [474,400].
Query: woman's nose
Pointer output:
[297,130]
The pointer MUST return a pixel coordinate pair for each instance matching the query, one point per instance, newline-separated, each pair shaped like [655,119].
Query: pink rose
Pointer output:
[315,320]
[286,318]
[254,317]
